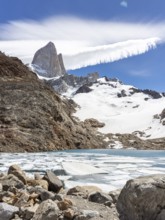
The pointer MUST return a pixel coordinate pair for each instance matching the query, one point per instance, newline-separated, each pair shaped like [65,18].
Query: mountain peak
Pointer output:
[47,60]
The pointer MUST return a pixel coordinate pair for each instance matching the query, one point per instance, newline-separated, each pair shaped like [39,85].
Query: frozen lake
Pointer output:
[119,165]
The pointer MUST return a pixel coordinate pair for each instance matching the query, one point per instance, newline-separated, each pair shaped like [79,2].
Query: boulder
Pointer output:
[22,200]
[99,197]
[83,190]
[40,182]
[7,211]
[28,212]
[65,204]
[55,184]
[44,195]
[69,214]
[11,181]
[47,210]
[18,172]
[142,198]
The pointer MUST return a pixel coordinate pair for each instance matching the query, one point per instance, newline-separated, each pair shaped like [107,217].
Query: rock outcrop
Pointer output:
[34,118]
[50,64]
[67,81]
[162,117]
[153,94]
[143,199]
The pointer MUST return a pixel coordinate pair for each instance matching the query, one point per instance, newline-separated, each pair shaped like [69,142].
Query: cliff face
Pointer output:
[48,61]
[33,117]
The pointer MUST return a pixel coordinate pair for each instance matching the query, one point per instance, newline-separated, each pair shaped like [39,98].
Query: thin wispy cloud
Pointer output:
[139,73]
[82,42]
[124,4]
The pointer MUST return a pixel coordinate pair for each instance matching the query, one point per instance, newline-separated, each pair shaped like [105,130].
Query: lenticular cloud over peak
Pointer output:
[82,42]
[109,53]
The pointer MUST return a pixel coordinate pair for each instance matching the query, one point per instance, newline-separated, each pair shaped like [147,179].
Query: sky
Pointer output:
[117,38]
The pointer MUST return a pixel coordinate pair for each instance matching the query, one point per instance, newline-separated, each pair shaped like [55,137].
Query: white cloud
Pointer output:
[140,73]
[82,42]
[109,53]
[124,4]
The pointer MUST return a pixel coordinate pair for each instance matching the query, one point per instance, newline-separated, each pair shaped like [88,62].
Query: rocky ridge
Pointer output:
[45,198]
[34,118]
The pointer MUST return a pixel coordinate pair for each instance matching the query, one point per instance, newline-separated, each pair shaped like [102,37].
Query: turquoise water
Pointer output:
[119,165]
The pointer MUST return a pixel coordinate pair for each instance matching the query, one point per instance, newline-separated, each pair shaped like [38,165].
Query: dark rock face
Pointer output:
[33,117]
[83,89]
[142,198]
[162,115]
[47,59]
[151,93]
[122,94]
[62,84]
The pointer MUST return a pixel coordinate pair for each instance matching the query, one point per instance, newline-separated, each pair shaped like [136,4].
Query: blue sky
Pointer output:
[72,26]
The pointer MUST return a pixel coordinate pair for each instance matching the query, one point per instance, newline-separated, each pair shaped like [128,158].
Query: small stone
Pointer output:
[11,181]
[22,200]
[37,176]
[99,197]
[28,212]
[47,210]
[115,194]
[18,172]
[7,211]
[40,182]
[65,204]
[87,214]
[46,195]
[1,187]
[69,213]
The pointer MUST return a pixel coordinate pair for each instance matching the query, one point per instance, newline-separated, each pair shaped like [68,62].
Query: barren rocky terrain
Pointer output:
[34,118]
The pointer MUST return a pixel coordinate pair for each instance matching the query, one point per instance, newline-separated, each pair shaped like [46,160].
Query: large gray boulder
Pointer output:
[48,61]
[143,199]
[7,211]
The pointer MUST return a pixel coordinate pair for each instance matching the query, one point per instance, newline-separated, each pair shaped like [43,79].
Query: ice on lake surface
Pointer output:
[118,165]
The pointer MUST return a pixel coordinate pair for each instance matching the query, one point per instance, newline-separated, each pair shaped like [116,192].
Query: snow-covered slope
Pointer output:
[121,109]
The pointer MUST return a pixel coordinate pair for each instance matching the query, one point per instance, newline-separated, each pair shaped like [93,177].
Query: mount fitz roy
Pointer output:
[126,112]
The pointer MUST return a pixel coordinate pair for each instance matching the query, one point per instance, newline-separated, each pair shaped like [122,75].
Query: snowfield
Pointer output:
[121,115]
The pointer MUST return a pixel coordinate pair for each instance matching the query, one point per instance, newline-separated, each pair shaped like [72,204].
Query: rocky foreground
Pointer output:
[45,198]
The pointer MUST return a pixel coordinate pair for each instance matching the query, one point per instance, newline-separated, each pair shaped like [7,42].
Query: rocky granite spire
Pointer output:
[47,62]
